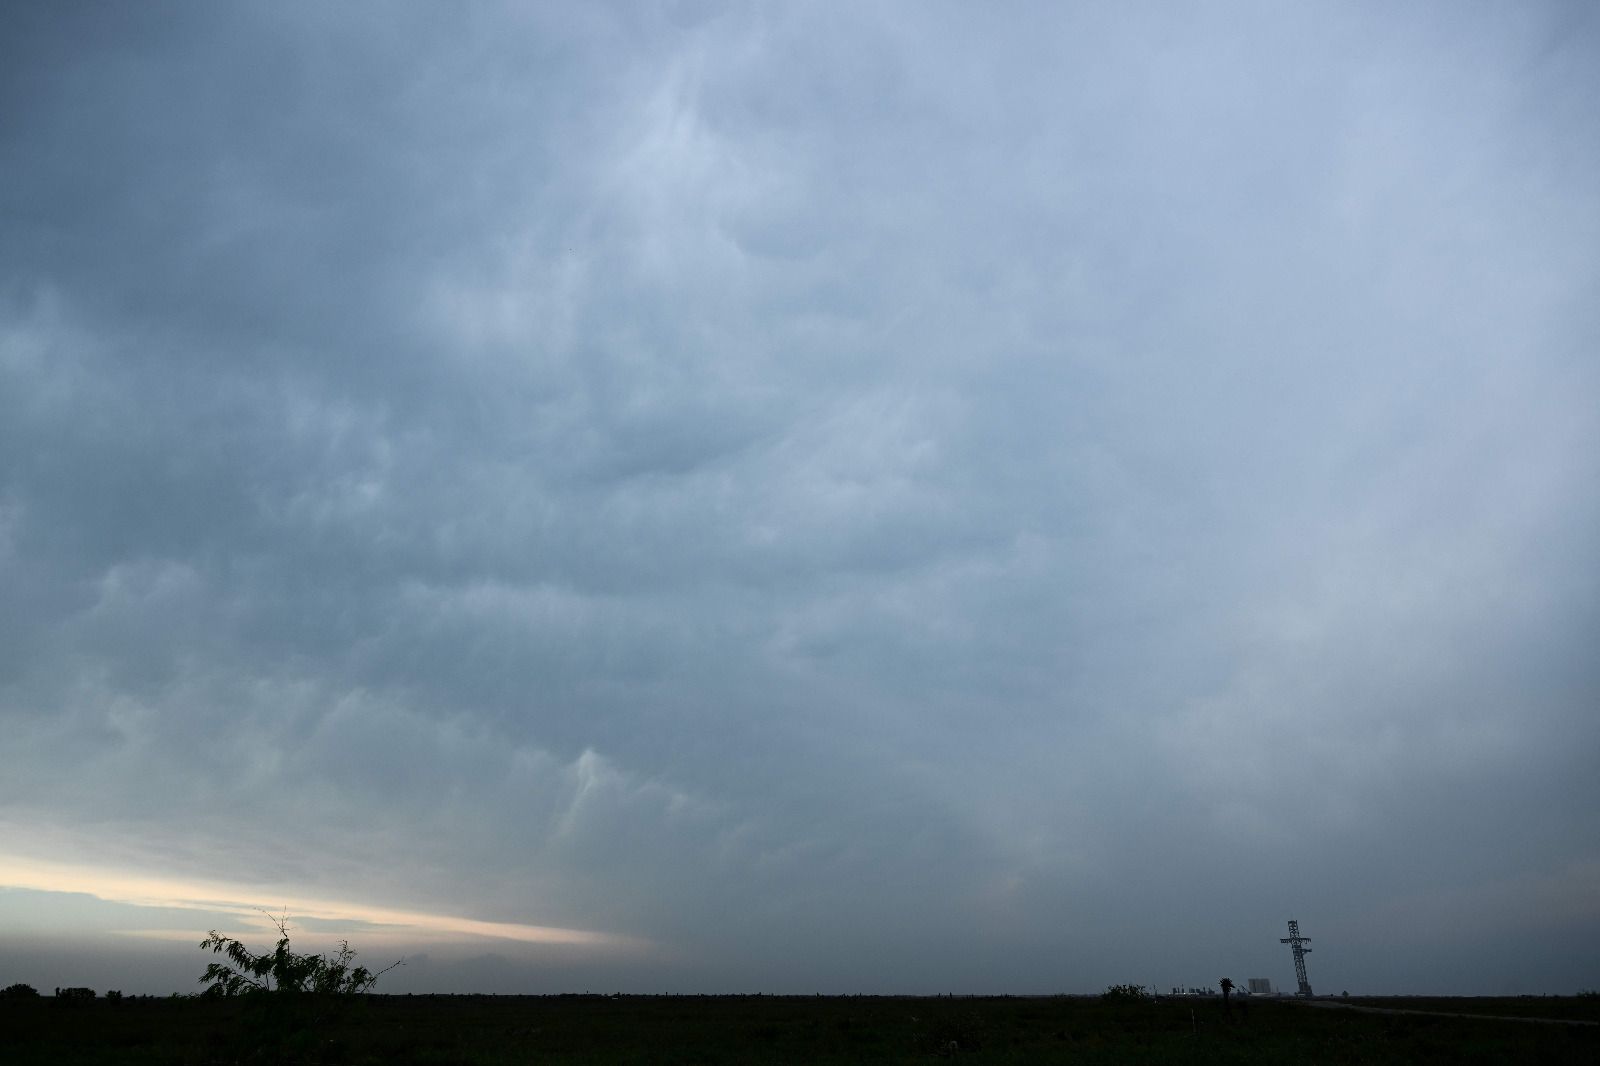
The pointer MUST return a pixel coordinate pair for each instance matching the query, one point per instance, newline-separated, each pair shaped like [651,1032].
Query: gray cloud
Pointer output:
[870,500]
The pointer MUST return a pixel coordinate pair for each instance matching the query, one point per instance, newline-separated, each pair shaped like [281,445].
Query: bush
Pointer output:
[282,970]
[19,991]
[289,995]
[1125,994]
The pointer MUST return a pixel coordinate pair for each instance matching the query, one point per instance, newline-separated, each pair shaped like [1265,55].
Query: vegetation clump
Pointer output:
[1125,994]
[19,991]
[282,970]
[290,998]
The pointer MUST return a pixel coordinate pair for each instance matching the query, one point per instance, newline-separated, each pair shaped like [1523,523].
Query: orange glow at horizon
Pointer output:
[143,890]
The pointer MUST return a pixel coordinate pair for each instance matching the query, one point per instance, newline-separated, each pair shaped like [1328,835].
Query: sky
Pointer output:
[859,497]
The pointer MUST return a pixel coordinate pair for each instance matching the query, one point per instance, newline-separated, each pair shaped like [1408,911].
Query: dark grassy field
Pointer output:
[765,1029]
[1575,1008]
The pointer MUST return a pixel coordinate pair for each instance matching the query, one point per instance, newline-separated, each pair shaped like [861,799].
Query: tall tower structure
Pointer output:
[1297,944]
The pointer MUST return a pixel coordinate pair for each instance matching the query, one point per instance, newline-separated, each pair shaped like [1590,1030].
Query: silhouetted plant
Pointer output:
[1125,994]
[289,994]
[282,970]
[19,991]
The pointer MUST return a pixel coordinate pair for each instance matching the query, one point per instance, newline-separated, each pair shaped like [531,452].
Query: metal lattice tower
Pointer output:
[1297,944]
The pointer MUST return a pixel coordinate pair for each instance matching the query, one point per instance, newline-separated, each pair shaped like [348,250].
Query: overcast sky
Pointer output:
[854,497]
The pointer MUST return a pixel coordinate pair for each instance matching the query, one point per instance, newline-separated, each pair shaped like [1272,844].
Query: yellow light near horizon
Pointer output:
[144,890]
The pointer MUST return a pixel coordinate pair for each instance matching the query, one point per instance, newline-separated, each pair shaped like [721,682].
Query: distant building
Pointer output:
[1260,986]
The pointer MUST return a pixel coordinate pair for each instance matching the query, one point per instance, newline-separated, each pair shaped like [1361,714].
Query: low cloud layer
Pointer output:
[896,499]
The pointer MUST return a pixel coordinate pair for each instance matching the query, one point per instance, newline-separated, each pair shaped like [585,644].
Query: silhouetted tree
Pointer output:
[289,994]
[282,970]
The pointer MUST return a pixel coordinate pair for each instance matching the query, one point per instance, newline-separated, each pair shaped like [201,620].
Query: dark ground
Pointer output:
[1562,1008]
[768,1029]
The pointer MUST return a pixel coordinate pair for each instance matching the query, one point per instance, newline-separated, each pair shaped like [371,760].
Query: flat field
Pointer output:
[1570,1008]
[776,1029]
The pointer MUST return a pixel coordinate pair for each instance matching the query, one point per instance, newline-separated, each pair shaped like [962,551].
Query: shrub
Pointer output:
[19,991]
[1125,994]
[282,970]
[289,995]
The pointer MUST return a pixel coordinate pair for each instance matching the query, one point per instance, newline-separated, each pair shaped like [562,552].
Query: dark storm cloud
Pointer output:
[879,499]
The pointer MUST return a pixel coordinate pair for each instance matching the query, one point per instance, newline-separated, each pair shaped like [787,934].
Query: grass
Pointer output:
[459,1030]
[1574,1008]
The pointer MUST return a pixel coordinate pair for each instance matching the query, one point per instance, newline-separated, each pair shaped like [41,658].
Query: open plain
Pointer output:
[439,1030]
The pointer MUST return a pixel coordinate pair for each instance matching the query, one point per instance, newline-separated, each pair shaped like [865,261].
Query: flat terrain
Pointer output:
[1559,1008]
[767,1029]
